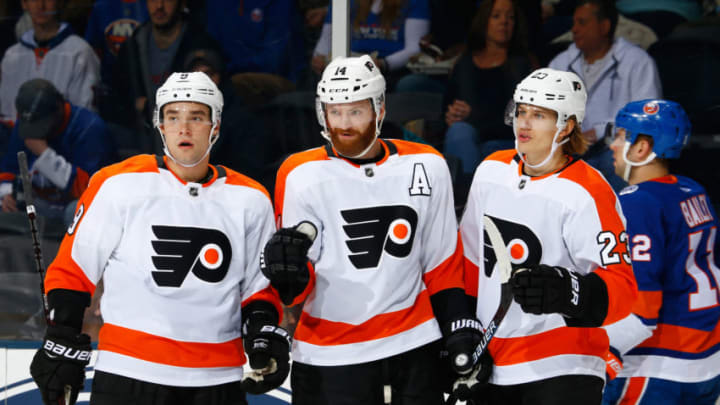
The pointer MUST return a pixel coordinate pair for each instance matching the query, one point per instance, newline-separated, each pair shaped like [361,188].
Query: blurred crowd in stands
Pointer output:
[78,79]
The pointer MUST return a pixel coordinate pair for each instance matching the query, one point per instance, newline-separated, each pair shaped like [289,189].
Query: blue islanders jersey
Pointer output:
[673,235]
[110,24]
[369,36]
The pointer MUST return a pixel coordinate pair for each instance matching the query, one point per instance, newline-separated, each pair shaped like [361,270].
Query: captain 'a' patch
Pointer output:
[420,184]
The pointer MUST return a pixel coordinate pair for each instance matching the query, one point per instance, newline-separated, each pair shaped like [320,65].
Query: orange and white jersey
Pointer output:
[569,218]
[387,240]
[177,261]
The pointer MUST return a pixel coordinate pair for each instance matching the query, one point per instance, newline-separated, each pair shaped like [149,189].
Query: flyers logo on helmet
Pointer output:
[204,252]
[523,245]
[372,230]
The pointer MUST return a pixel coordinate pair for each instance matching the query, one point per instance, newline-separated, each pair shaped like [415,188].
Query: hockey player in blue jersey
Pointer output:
[668,350]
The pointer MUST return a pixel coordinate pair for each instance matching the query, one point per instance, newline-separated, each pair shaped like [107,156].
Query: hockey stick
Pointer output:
[32,217]
[39,266]
[505,268]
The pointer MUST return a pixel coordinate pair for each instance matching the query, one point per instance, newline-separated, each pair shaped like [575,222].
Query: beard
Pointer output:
[352,147]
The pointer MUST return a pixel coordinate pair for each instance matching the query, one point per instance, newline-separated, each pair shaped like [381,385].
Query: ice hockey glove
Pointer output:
[542,289]
[61,362]
[284,262]
[267,346]
[462,336]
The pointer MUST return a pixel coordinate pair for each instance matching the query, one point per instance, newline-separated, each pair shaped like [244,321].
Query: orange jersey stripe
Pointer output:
[668,179]
[680,338]
[64,272]
[413,148]
[504,156]
[308,288]
[158,349]
[288,165]
[635,387]
[471,277]
[648,304]
[80,184]
[575,341]
[619,278]
[268,295]
[7,176]
[322,332]
[238,179]
[449,274]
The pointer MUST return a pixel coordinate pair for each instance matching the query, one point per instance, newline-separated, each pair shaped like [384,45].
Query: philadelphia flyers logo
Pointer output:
[371,231]
[180,250]
[523,245]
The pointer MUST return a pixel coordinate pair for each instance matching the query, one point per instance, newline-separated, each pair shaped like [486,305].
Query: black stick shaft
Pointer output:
[32,217]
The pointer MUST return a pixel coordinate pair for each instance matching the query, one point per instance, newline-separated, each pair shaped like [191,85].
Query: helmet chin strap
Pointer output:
[553,147]
[207,152]
[629,164]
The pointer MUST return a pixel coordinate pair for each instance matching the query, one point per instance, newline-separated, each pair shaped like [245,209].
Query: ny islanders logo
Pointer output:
[181,250]
[374,230]
[523,245]
[651,108]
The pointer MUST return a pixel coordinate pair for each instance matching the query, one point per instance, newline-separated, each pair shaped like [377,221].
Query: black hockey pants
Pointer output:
[112,389]
[563,390]
[414,378]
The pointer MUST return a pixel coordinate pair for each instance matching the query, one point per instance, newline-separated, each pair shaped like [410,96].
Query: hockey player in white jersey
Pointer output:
[177,243]
[566,237]
[382,280]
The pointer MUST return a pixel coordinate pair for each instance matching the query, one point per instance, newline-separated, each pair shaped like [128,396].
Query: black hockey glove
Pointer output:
[268,350]
[284,260]
[542,289]
[471,386]
[60,363]
[462,336]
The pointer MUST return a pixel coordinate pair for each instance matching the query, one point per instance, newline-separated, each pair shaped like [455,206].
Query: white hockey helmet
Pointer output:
[562,92]
[189,87]
[346,80]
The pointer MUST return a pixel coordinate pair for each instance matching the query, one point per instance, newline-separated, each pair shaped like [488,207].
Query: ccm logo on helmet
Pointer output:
[371,231]
[205,252]
[53,350]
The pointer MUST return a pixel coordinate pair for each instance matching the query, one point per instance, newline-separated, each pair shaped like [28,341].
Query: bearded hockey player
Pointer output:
[565,233]
[383,288]
[177,243]
[670,345]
